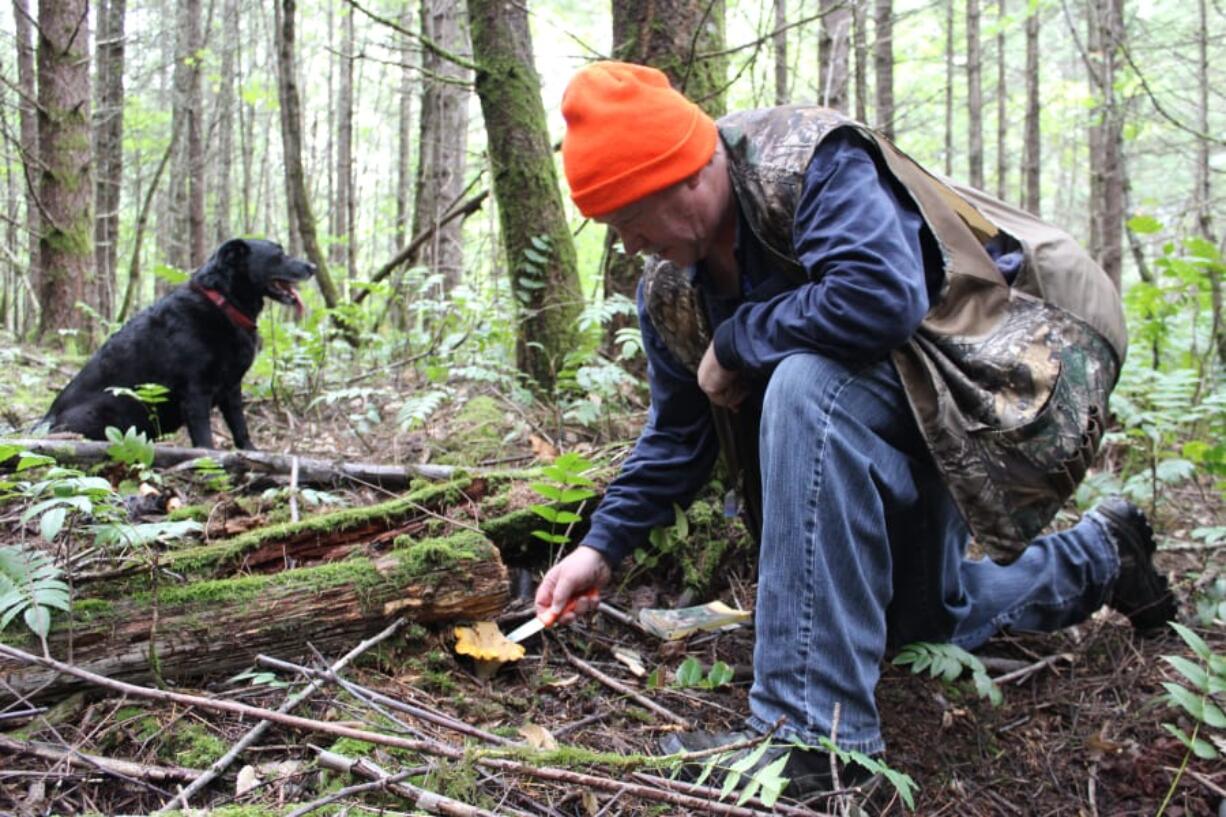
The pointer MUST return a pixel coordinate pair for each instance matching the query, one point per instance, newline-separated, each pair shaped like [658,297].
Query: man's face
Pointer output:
[669,223]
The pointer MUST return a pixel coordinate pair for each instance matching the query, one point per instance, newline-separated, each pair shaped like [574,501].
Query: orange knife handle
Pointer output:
[550,617]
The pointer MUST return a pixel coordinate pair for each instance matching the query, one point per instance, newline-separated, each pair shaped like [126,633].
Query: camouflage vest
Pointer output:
[1008,384]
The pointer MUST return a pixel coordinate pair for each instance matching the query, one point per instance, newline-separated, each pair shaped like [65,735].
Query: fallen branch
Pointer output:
[429,747]
[618,686]
[81,760]
[223,762]
[1025,672]
[427,715]
[420,798]
[311,471]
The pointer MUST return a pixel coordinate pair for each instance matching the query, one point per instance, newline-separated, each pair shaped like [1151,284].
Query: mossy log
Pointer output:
[311,470]
[211,629]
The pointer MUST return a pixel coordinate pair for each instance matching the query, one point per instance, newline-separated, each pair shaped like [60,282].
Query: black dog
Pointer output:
[198,341]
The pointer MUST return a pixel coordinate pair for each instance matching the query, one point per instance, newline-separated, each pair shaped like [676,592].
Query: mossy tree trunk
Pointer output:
[65,186]
[669,35]
[540,254]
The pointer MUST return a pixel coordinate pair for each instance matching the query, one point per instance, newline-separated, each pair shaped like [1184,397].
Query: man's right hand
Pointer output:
[582,569]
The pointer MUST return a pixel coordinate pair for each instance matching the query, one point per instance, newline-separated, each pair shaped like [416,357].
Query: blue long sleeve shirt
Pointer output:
[871,268]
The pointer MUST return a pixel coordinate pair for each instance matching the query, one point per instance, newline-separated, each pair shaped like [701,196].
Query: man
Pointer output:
[816,295]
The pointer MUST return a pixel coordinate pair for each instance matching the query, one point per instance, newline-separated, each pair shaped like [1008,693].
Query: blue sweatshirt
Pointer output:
[872,267]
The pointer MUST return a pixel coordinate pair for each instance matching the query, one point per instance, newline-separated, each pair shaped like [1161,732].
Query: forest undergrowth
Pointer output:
[1091,720]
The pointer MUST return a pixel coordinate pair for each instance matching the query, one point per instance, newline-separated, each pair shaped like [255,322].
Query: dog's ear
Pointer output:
[218,271]
[233,251]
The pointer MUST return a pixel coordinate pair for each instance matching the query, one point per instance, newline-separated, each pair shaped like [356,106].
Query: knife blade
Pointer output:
[537,623]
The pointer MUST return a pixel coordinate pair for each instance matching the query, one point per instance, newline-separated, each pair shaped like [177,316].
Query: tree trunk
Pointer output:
[336,593]
[860,47]
[883,65]
[949,87]
[1031,152]
[404,140]
[65,185]
[832,48]
[1002,94]
[780,43]
[1203,193]
[27,93]
[197,251]
[108,151]
[443,146]
[1106,32]
[536,239]
[341,251]
[226,104]
[668,35]
[291,138]
[974,95]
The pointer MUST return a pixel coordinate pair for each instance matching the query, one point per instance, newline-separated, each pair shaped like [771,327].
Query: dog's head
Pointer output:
[250,269]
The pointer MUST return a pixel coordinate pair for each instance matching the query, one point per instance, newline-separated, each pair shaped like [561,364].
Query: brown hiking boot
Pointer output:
[1140,592]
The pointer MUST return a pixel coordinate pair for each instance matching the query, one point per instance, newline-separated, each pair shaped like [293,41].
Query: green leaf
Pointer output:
[549,514]
[551,538]
[550,492]
[719,675]
[689,673]
[1144,225]
[1193,640]
[1192,703]
[1193,672]
[772,780]
[51,522]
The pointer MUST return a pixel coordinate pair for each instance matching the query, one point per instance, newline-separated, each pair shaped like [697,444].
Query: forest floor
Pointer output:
[1080,730]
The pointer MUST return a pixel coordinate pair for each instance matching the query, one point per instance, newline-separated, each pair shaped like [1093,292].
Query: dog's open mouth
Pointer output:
[283,291]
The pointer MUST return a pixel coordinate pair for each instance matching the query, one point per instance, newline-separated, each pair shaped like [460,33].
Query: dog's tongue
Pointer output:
[299,307]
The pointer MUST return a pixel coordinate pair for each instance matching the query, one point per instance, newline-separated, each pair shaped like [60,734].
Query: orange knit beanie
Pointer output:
[628,134]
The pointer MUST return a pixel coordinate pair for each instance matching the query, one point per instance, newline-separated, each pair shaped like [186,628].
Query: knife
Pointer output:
[538,623]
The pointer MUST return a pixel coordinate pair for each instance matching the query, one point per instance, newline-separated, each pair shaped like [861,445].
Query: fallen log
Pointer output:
[214,628]
[311,470]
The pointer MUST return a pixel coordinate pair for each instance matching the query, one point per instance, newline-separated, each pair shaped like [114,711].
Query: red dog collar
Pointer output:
[232,312]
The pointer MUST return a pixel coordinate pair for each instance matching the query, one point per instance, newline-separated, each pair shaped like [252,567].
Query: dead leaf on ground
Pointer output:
[538,737]
[542,449]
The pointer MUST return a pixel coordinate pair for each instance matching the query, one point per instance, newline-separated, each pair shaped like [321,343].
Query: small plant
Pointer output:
[767,784]
[129,447]
[948,661]
[902,782]
[1211,603]
[215,477]
[148,395]
[30,584]
[566,486]
[1203,699]
[690,674]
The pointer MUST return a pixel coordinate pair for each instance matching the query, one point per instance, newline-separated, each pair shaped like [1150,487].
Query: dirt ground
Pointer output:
[1079,731]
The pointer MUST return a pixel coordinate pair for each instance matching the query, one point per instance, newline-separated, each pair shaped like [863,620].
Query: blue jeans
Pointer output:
[862,546]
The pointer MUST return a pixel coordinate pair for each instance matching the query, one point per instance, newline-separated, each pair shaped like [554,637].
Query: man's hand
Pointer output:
[584,568]
[723,387]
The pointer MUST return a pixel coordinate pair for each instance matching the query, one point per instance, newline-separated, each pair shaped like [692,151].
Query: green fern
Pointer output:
[30,583]
[948,661]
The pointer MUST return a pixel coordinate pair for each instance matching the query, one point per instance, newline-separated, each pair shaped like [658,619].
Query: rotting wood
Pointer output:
[209,629]
[420,798]
[311,470]
[327,537]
